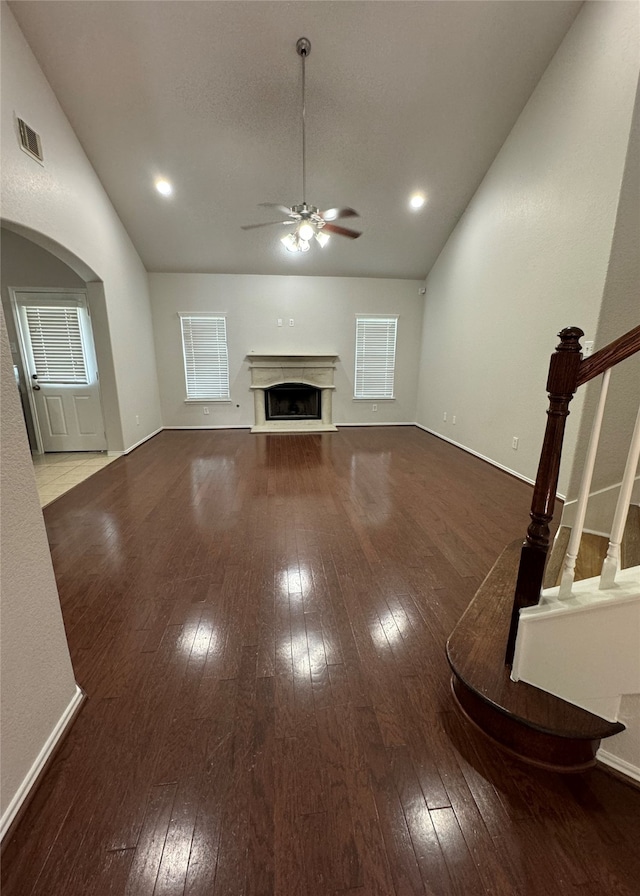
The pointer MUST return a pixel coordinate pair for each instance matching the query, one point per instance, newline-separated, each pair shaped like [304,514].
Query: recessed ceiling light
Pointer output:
[164,187]
[417,200]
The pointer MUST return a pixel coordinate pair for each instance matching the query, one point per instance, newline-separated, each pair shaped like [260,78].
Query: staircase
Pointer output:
[513,630]
[593,550]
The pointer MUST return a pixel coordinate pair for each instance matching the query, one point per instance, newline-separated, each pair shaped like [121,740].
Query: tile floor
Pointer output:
[57,473]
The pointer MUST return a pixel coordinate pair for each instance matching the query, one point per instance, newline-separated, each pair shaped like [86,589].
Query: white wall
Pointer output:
[64,203]
[37,679]
[62,207]
[622,751]
[323,310]
[26,265]
[619,312]
[530,254]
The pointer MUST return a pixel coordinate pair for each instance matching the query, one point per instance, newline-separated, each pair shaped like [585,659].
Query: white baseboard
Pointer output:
[619,765]
[249,425]
[489,460]
[390,423]
[31,779]
[142,441]
[218,426]
[136,445]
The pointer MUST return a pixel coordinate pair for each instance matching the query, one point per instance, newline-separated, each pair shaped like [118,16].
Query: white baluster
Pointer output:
[612,560]
[569,566]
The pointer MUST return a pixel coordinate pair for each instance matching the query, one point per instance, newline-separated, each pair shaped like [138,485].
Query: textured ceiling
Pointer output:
[401,96]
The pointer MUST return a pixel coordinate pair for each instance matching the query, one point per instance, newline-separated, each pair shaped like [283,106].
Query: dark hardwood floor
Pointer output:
[259,623]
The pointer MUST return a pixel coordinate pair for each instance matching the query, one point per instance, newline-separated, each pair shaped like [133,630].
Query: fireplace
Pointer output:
[292,401]
[293,393]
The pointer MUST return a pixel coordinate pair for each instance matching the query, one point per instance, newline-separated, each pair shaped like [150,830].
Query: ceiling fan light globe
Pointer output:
[289,242]
[322,238]
[306,231]
[303,246]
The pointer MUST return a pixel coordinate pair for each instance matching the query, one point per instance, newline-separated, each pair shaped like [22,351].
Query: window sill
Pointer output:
[207,401]
[373,398]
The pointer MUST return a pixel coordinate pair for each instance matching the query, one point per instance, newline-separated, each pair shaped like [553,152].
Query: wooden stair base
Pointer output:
[529,723]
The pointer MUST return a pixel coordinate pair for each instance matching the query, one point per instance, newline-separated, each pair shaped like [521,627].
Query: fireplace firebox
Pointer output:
[293,401]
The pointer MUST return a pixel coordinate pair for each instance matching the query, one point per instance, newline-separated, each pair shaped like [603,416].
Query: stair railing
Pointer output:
[611,563]
[569,566]
[568,371]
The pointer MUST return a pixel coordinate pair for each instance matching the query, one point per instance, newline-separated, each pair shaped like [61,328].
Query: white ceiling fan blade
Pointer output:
[332,214]
[281,208]
[266,224]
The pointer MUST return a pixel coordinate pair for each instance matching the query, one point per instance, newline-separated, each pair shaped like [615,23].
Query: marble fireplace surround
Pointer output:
[276,370]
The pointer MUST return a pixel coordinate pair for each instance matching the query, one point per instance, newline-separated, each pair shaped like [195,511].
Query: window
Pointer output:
[375,356]
[56,344]
[206,360]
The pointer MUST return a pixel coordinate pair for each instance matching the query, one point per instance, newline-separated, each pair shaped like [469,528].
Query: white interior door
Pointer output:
[55,329]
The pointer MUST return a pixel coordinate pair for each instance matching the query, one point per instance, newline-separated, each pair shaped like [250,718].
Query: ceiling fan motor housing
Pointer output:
[303,46]
[308,213]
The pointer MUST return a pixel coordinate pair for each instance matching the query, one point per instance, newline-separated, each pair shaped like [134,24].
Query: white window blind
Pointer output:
[56,344]
[375,356]
[206,360]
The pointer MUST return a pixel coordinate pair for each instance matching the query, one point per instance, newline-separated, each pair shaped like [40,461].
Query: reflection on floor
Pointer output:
[57,473]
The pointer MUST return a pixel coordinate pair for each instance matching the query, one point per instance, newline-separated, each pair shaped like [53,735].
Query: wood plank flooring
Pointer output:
[259,623]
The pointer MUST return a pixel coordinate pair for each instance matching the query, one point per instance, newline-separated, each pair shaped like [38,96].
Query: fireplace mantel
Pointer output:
[276,369]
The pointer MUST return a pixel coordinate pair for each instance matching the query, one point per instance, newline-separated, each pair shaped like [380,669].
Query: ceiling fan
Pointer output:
[309,223]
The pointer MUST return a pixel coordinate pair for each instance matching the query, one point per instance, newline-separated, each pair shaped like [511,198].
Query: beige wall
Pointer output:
[549,240]
[63,205]
[620,312]
[323,310]
[531,252]
[37,678]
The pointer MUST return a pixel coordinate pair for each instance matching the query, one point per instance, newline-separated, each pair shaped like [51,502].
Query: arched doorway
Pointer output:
[35,267]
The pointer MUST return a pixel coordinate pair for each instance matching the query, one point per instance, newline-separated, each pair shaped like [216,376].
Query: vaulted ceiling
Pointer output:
[401,97]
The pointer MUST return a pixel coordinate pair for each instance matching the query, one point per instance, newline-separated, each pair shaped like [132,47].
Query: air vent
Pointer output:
[30,141]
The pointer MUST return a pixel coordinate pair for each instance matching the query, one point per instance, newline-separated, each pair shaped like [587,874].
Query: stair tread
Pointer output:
[593,550]
[476,649]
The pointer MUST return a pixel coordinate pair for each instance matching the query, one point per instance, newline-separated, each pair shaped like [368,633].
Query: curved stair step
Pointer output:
[529,723]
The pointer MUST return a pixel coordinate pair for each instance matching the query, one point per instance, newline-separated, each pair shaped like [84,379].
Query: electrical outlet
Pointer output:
[290,321]
[444,416]
[205,410]
[514,443]
[279,321]
[374,407]
[137,420]
[453,419]
[587,348]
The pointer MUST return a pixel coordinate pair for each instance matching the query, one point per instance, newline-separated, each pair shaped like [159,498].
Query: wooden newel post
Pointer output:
[561,386]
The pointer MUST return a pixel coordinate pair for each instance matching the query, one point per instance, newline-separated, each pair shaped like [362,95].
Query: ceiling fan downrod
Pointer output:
[308,221]
[303,48]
